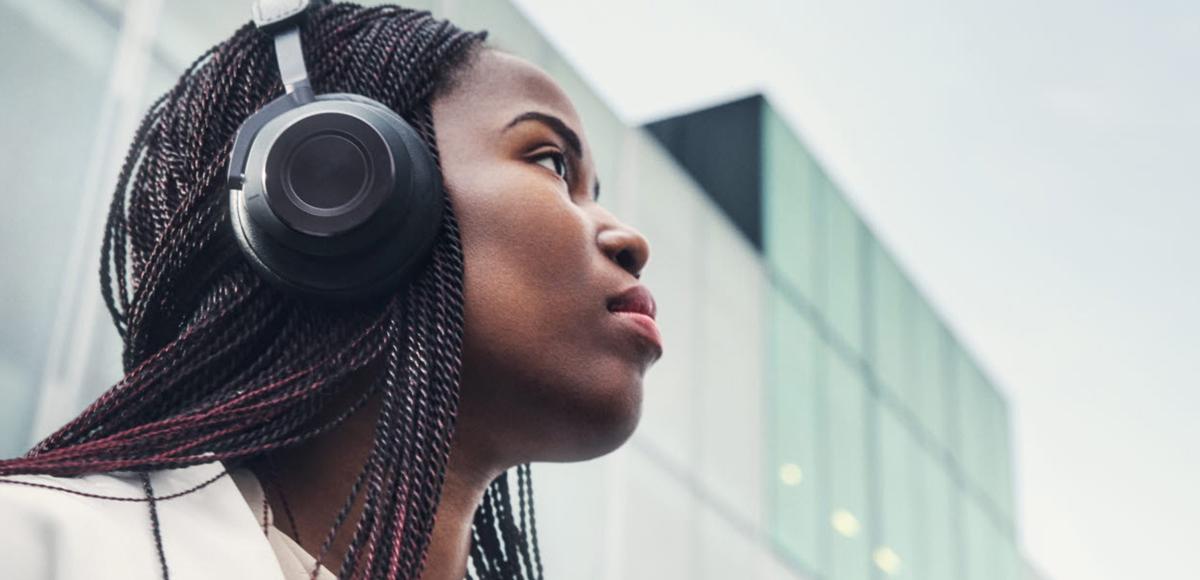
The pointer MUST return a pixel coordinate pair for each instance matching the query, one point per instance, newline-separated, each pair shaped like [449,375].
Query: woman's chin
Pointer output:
[606,425]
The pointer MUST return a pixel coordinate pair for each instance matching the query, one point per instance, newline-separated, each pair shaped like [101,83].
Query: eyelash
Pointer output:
[562,159]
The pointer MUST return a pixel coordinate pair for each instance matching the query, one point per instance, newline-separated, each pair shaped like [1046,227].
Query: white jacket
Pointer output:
[55,535]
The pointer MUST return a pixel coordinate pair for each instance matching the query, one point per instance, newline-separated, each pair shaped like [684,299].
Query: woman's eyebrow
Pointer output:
[556,124]
[564,132]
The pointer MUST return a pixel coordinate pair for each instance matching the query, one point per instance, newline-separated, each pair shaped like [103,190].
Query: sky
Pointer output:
[1032,164]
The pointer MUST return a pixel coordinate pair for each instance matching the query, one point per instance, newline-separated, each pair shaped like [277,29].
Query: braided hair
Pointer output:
[219,365]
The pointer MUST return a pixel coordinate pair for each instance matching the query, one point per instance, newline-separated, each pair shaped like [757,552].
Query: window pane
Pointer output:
[937,556]
[1009,560]
[965,448]
[843,299]
[982,448]
[930,374]
[848,519]
[892,305]
[980,543]
[900,531]
[1001,453]
[792,223]
[794,471]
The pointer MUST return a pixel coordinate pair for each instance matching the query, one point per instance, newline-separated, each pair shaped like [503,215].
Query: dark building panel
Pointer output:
[721,147]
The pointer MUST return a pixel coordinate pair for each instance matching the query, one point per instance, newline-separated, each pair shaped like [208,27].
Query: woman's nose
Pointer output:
[625,246]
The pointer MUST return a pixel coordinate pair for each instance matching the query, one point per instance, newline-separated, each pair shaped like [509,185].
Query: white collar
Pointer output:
[56,527]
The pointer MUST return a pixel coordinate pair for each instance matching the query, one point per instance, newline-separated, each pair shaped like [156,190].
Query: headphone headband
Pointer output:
[282,18]
[270,15]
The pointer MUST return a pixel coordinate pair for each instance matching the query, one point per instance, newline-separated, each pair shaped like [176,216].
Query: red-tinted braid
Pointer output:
[222,366]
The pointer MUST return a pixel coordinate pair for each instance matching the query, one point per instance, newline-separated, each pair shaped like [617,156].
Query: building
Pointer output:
[813,417]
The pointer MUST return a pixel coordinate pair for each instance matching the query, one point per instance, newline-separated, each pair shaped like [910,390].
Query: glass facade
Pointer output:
[813,418]
[917,481]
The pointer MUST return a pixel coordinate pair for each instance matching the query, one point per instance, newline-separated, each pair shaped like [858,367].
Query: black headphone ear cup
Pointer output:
[341,198]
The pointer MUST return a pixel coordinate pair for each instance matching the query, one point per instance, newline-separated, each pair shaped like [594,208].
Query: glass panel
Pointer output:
[982,448]
[936,556]
[982,417]
[930,374]
[1002,487]
[980,543]
[892,302]
[791,223]
[843,302]
[990,551]
[59,79]
[988,466]
[900,531]
[848,518]
[906,352]
[964,418]
[794,471]
[1009,565]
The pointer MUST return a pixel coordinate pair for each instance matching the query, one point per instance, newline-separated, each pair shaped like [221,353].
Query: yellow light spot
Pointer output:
[887,559]
[791,474]
[845,523]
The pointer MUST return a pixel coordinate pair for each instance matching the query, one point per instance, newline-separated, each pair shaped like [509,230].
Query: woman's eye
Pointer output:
[559,163]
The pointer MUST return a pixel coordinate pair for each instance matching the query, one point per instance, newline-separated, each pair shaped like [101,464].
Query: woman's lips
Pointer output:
[645,327]
[636,308]
[636,298]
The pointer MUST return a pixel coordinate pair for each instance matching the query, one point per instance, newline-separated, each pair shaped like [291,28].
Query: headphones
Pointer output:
[332,196]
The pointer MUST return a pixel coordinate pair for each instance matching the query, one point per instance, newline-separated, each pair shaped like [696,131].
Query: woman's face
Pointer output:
[549,372]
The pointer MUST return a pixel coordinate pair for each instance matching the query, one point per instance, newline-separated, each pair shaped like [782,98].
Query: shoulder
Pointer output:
[55,525]
[98,527]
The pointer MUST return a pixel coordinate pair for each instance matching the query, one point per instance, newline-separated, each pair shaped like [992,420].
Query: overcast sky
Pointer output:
[1033,164]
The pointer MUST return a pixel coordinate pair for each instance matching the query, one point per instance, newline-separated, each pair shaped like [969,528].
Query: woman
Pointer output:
[264,433]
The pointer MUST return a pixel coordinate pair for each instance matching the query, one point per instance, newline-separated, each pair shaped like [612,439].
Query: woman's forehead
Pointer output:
[502,83]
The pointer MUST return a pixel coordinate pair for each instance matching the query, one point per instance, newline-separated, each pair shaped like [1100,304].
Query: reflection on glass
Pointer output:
[886,559]
[791,474]
[845,523]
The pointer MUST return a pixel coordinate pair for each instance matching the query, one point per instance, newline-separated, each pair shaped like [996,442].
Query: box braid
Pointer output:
[222,366]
